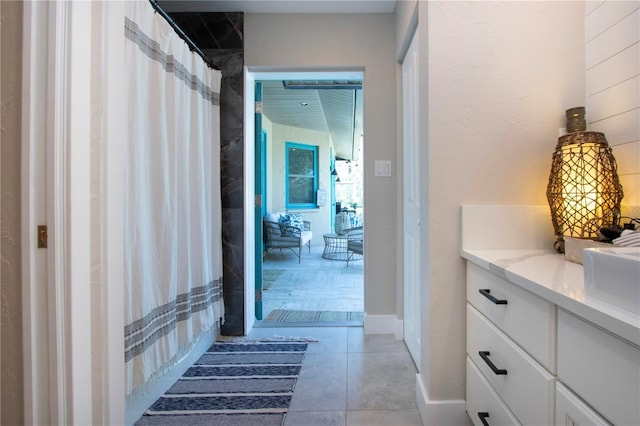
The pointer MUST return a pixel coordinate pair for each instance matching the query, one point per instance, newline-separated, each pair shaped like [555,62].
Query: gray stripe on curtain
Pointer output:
[151,48]
[142,333]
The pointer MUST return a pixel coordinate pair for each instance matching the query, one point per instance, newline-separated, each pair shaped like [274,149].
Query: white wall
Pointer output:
[612,49]
[353,41]
[497,79]
[501,75]
[11,364]
[278,136]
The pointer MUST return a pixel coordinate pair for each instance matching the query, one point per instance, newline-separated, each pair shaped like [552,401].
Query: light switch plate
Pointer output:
[383,168]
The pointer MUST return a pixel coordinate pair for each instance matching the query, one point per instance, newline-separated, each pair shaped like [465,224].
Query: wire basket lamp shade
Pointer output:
[584,191]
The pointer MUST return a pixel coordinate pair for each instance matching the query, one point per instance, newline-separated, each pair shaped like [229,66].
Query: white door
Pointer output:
[411,200]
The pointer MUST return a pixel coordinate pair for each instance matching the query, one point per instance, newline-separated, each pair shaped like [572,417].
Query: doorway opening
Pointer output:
[308,173]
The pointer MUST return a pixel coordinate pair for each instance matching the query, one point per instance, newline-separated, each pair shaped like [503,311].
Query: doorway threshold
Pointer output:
[263,324]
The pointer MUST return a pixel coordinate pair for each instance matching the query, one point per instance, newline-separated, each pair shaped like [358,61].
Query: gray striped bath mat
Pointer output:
[289,315]
[241,384]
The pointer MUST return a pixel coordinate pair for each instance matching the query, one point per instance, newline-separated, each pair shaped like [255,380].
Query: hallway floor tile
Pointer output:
[351,379]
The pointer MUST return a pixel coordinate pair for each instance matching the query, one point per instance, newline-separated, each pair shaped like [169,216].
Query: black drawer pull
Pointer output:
[487,293]
[483,416]
[485,356]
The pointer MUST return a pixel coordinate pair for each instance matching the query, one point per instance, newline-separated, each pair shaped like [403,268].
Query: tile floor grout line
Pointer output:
[346,384]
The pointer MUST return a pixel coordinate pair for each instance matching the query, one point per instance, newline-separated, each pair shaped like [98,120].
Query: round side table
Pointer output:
[335,247]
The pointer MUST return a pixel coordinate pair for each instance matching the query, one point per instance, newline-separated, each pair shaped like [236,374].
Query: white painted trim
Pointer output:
[380,324]
[249,202]
[411,30]
[399,329]
[251,74]
[287,73]
[57,334]
[76,211]
[111,410]
[35,318]
[442,413]
[57,193]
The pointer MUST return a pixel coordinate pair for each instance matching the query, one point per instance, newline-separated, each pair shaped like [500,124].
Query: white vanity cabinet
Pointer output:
[601,368]
[533,360]
[527,319]
[483,403]
[569,359]
[510,341]
[572,411]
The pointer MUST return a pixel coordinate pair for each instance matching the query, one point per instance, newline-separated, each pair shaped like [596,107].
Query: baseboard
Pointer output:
[384,324]
[441,413]
[399,329]
[379,324]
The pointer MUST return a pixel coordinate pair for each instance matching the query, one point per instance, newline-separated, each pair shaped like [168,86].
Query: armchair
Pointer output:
[281,236]
[355,242]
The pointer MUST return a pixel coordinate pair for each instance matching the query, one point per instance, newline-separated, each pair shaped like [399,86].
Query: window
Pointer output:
[302,175]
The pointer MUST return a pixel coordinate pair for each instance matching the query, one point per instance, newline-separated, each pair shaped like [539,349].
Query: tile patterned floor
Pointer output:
[315,283]
[351,379]
[347,378]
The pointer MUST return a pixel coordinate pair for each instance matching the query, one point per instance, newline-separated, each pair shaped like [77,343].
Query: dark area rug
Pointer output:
[233,384]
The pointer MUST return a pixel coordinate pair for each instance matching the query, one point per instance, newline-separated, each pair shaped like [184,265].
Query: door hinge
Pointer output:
[258,295]
[258,107]
[258,201]
[42,236]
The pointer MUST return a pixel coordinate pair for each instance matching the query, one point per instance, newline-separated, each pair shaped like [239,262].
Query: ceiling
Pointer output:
[336,111]
[280,6]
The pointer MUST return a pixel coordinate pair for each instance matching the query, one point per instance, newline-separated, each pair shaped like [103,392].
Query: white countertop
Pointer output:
[548,275]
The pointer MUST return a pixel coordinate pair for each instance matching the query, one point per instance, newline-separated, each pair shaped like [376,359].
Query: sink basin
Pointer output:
[612,277]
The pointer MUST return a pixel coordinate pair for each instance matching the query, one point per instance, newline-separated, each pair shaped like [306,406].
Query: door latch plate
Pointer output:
[42,236]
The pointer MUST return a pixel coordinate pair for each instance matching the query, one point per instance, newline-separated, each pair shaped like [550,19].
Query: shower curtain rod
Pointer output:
[183,36]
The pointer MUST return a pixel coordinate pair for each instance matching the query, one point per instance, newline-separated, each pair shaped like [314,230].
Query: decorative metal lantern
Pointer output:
[584,191]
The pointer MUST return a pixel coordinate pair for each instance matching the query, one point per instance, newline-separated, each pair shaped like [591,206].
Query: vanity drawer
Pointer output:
[526,388]
[482,399]
[603,369]
[525,317]
[571,410]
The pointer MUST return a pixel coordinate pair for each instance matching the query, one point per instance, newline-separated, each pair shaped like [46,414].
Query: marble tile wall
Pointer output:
[219,35]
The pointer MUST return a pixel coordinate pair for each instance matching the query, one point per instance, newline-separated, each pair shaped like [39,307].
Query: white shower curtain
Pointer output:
[173,254]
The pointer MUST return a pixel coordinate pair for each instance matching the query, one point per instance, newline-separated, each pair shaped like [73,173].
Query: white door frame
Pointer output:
[251,74]
[249,202]
[73,321]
